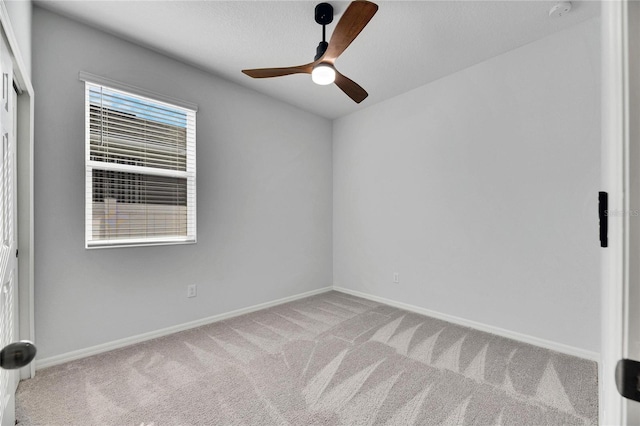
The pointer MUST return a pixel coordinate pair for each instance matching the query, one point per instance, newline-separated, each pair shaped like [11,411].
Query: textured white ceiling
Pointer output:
[407,43]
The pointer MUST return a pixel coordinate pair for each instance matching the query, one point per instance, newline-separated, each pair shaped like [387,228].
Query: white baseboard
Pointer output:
[116,344]
[547,344]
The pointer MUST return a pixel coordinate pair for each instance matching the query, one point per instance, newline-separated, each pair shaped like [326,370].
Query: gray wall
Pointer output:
[480,189]
[264,199]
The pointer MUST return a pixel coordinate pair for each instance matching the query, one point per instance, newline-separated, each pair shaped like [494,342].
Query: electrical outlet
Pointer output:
[396,277]
[192,290]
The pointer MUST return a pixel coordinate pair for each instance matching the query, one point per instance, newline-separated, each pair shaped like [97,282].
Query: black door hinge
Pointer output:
[16,252]
[603,214]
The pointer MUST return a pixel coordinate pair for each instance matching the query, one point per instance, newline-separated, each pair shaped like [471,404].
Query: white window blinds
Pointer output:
[140,170]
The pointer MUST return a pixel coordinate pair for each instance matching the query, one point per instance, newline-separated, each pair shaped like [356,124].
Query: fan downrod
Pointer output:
[324,16]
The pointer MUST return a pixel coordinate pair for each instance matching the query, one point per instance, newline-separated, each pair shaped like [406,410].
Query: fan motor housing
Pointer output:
[322,47]
[324,13]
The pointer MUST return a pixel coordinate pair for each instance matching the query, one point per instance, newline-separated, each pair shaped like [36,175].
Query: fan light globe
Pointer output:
[323,74]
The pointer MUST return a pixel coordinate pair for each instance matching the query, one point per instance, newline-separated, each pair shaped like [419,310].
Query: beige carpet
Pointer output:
[331,359]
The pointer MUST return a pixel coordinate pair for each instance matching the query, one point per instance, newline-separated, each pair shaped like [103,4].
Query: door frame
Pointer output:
[24,139]
[621,179]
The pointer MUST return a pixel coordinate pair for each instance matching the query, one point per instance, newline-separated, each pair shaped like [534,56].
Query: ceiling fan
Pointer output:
[322,69]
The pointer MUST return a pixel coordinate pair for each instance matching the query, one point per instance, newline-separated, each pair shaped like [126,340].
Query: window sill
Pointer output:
[137,243]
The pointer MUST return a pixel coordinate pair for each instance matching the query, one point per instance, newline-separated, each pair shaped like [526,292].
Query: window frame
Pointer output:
[189,174]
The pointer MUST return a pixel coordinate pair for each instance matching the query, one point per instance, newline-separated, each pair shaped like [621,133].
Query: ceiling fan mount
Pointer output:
[322,69]
[324,13]
[324,16]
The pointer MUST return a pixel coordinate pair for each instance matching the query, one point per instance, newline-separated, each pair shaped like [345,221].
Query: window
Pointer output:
[140,169]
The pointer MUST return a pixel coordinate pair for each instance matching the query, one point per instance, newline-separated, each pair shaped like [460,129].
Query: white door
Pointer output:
[9,326]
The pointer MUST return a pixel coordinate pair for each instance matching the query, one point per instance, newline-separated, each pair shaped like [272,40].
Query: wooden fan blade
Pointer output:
[351,88]
[278,72]
[353,21]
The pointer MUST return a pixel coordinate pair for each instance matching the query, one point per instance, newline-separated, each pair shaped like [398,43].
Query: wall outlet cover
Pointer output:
[192,290]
